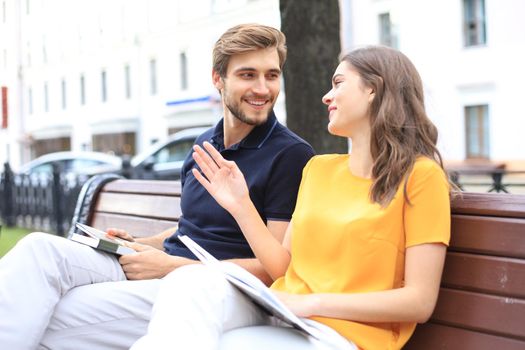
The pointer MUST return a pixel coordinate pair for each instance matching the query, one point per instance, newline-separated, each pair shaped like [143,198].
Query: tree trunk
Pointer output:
[312,32]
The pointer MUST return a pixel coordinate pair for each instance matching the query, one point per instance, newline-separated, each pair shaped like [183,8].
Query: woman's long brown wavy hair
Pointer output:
[400,128]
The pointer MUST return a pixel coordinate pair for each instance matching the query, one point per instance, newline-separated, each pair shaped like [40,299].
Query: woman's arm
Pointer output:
[225,183]
[254,266]
[414,302]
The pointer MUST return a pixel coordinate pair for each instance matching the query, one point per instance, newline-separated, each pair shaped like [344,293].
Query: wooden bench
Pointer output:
[482,299]
[143,207]
[481,303]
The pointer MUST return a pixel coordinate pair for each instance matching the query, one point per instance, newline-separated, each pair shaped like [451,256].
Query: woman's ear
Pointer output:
[372,95]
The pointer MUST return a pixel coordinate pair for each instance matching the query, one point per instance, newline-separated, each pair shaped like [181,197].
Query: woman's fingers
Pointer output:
[206,157]
[217,157]
[210,161]
[203,164]
[203,181]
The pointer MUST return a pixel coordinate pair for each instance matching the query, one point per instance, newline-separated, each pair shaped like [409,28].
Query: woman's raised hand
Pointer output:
[222,178]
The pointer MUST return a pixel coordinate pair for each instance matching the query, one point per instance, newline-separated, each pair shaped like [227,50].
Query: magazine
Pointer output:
[97,239]
[252,287]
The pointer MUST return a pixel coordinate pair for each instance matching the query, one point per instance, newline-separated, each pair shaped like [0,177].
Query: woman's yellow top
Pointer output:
[344,243]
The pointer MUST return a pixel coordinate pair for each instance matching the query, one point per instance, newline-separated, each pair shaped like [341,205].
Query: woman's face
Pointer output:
[348,102]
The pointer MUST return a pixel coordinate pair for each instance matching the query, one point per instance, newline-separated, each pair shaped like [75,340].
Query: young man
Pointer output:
[61,294]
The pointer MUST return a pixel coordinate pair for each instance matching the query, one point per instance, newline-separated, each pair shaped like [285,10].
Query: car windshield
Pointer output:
[175,151]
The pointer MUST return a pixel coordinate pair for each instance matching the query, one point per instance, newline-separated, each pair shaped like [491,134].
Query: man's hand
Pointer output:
[149,262]
[119,233]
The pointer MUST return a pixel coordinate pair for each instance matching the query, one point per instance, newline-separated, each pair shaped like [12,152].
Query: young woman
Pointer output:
[364,252]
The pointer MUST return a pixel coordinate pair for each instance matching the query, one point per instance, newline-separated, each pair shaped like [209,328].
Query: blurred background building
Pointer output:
[111,76]
[470,54]
[114,76]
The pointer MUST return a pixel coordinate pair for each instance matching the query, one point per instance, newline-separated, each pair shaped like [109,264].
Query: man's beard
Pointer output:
[240,115]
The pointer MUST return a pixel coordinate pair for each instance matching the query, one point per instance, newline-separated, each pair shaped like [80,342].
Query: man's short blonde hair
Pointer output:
[244,38]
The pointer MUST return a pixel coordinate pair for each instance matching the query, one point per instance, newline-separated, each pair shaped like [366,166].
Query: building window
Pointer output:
[104,86]
[46,98]
[127,78]
[387,34]
[64,103]
[474,22]
[28,6]
[45,146]
[44,50]
[3,12]
[477,131]
[153,76]
[117,143]
[82,90]
[30,100]
[183,71]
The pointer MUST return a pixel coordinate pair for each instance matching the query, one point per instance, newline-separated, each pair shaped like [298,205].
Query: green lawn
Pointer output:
[9,237]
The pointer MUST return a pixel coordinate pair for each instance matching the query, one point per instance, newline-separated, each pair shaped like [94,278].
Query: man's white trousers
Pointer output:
[58,294]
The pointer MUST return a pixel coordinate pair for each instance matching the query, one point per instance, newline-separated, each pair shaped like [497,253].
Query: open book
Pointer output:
[98,240]
[252,287]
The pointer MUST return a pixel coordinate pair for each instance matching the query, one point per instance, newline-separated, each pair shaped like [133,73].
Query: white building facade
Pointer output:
[114,76]
[470,55]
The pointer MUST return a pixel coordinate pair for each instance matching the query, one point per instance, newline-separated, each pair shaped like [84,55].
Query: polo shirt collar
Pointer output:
[255,139]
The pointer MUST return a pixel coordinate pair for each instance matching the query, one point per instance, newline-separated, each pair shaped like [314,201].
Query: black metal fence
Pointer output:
[489,180]
[39,201]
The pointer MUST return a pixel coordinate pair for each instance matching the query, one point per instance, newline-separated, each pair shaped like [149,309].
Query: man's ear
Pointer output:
[217,80]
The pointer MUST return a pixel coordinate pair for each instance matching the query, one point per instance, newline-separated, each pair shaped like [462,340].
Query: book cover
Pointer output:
[252,287]
[97,239]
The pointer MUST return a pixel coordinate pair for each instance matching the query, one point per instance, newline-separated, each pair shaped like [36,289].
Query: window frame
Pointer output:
[474,23]
[477,131]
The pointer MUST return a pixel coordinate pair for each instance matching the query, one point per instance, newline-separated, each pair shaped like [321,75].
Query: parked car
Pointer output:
[163,160]
[81,163]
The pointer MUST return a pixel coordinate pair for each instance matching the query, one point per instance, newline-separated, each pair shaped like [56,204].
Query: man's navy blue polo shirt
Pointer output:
[271,158]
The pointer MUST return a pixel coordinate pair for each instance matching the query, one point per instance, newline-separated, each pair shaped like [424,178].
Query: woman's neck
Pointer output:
[360,161]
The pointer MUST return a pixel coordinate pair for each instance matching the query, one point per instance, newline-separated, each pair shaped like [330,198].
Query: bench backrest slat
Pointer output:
[139,227]
[490,204]
[488,235]
[145,205]
[485,274]
[141,207]
[440,337]
[481,312]
[169,188]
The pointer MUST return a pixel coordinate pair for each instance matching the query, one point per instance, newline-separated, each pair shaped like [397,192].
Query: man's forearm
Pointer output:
[157,240]
[251,265]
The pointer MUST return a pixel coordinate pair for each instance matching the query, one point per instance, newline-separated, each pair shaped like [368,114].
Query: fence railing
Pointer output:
[39,201]
[493,180]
